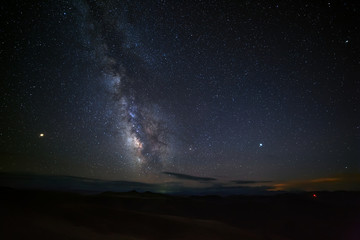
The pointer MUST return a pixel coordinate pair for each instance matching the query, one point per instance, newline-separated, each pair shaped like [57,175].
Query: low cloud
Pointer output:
[189,177]
[249,182]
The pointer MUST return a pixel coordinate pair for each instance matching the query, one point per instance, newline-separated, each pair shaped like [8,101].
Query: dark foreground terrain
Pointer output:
[59,215]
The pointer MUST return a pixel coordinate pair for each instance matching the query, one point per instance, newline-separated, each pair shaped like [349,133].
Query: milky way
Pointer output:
[140,122]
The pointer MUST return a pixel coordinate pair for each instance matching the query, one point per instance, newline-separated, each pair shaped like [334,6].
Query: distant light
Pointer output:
[347,41]
[314,195]
[41,135]
[260,144]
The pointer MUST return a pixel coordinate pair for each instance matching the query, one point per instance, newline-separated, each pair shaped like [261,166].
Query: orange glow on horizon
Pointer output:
[307,184]
[319,180]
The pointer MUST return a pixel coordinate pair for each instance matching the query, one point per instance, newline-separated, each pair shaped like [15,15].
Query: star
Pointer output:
[260,144]
[41,135]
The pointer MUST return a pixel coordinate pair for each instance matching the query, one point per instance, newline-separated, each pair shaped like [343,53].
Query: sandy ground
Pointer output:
[49,215]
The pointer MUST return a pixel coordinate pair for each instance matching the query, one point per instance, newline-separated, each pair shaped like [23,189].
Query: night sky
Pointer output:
[227,93]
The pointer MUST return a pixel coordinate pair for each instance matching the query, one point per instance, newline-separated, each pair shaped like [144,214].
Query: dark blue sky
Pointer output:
[127,90]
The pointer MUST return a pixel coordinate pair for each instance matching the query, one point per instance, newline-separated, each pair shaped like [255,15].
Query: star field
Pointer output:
[128,90]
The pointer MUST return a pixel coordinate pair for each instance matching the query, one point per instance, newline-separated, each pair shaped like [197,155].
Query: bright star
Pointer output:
[41,135]
[260,144]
